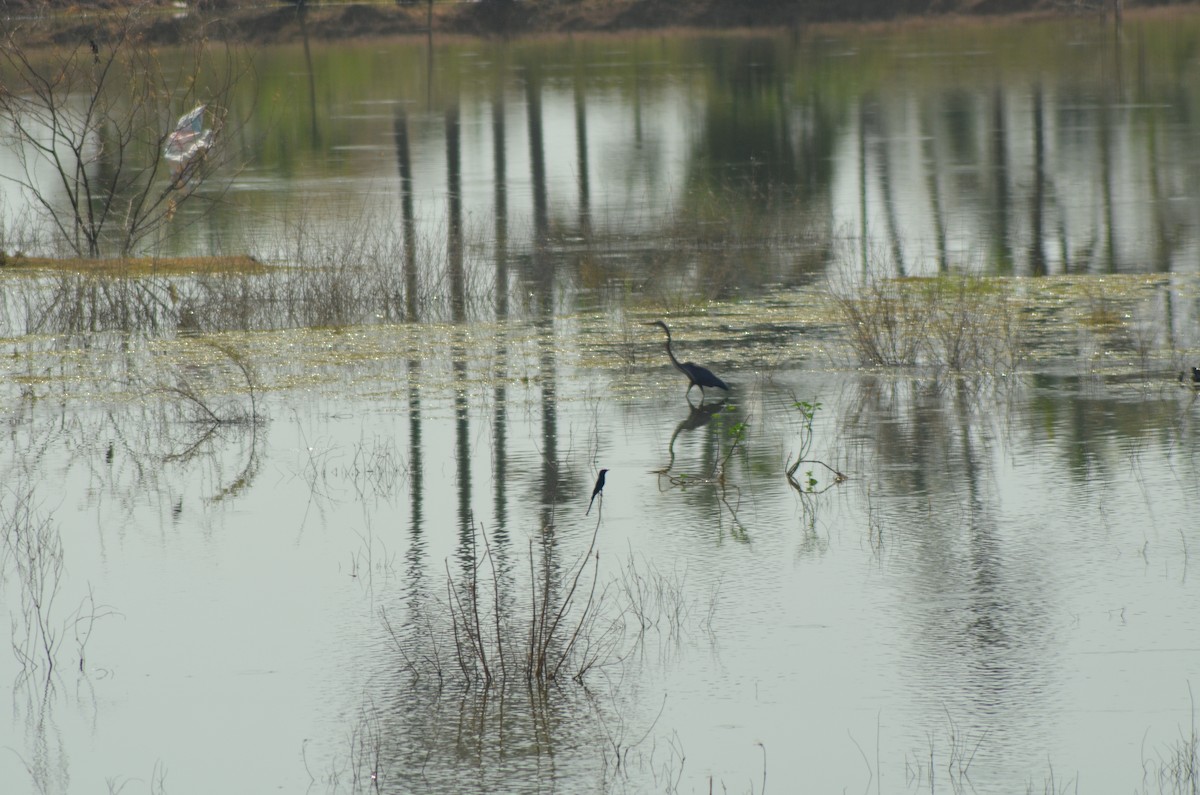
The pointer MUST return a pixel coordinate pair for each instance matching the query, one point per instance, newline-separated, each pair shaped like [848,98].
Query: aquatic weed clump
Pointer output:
[952,322]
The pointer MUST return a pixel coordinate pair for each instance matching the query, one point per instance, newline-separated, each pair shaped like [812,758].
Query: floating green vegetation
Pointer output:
[366,308]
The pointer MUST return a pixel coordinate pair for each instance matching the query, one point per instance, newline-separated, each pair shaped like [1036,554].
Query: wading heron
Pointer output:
[696,375]
[599,489]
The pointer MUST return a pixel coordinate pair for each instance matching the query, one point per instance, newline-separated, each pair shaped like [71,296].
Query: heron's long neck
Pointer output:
[674,361]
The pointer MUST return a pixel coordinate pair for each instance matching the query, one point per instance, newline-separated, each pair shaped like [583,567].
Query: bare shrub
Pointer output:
[33,548]
[93,128]
[956,323]
[33,551]
[570,625]
[560,635]
[884,326]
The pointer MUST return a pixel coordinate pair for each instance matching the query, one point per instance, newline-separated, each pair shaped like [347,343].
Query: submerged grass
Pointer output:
[1176,770]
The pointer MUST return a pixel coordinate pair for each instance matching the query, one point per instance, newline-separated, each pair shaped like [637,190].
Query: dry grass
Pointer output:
[956,323]
[133,267]
[1175,770]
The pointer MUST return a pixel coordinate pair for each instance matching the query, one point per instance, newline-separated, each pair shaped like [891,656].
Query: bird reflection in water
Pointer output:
[698,417]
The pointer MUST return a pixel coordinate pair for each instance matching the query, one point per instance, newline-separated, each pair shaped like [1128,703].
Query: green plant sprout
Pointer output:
[808,413]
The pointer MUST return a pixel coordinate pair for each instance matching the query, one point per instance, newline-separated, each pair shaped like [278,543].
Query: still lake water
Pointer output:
[1001,594]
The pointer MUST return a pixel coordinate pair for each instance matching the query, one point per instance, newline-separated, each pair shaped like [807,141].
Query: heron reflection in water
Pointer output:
[697,417]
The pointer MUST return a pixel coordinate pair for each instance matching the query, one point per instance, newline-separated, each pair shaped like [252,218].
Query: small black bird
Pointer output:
[696,375]
[1195,382]
[95,50]
[599,489]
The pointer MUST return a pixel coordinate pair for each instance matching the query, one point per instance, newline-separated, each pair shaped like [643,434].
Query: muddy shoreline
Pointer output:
[263,24]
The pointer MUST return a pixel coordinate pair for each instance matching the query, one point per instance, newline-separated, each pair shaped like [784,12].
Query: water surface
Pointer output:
[261,485]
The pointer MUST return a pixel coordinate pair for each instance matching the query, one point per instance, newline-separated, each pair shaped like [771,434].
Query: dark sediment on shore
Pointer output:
[222,19]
